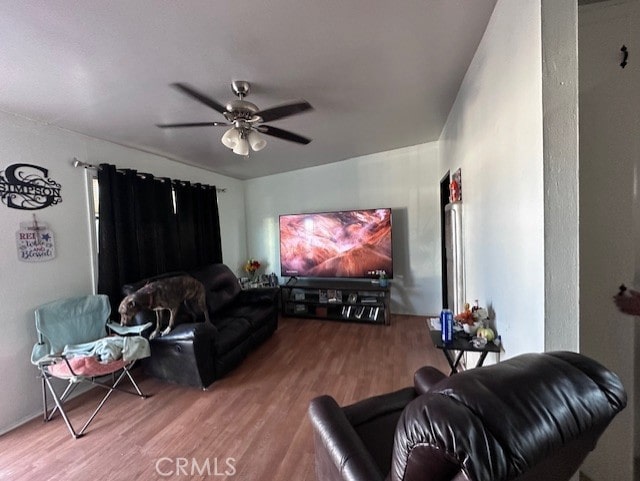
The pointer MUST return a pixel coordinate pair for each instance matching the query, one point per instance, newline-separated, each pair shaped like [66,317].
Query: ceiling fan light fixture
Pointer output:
[245,119]
[256,141]
[231,138]
[242,147]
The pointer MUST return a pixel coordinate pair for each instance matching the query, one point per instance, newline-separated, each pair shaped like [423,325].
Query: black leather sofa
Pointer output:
[197,353]
[533,417]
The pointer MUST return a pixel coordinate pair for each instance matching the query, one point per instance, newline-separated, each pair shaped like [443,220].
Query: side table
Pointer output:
[460,344]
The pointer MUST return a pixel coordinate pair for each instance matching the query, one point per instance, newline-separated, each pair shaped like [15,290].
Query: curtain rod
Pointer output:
[78,163]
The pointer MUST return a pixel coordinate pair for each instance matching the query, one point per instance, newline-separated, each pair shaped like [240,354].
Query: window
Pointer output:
[96,209]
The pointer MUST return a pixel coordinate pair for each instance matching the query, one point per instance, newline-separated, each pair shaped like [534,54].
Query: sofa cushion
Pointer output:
[375,420]
[257,316]
[220,284]
[258,306]
[229,360]
[231,332]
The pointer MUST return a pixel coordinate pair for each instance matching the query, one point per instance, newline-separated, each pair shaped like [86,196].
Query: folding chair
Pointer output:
[73,345]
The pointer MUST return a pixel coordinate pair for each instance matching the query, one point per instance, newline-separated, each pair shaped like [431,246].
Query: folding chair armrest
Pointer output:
[41,355]
[63,357]
[40,351]
[49,359]
[128,330]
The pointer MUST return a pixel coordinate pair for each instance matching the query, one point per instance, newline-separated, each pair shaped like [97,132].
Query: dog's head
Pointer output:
[128,309]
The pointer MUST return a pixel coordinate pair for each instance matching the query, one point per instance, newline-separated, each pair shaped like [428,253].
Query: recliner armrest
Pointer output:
[339,449]
[189,331]
[426,377]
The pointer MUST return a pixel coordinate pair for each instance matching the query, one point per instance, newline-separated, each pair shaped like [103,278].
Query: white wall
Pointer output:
[494,133]
[407,180]
[610,213]
[24,286]
[560,173]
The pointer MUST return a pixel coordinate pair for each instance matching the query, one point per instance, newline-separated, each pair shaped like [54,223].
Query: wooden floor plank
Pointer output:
[255,418]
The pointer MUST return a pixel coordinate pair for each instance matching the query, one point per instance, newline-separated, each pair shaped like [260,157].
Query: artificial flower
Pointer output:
[252,266]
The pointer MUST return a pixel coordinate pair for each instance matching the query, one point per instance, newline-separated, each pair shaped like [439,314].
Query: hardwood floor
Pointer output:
[251,425]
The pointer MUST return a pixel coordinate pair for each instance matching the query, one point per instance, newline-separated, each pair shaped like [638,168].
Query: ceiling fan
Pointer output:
[244,118]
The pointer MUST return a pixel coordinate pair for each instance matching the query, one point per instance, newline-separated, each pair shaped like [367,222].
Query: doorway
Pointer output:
[444,200]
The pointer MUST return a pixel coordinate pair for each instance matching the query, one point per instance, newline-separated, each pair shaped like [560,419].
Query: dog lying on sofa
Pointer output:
[164,294]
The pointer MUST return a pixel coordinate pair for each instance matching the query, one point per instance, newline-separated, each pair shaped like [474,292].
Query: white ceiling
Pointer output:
[380,74]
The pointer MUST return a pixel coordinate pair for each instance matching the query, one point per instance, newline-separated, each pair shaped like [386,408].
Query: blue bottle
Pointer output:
[446,325]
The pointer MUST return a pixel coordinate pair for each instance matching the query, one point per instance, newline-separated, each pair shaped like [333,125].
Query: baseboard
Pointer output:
[584,477]
[39,414]
[20,422]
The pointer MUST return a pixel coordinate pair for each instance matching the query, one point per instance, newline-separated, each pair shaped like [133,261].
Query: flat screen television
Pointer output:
[341,244]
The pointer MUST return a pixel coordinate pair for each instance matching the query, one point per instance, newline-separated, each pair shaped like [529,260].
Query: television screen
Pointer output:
[354,243]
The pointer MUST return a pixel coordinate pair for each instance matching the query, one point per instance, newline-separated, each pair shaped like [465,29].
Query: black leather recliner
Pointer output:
[197,353]
[532,417]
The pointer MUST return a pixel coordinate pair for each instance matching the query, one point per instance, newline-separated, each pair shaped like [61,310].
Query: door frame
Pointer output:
[444,200]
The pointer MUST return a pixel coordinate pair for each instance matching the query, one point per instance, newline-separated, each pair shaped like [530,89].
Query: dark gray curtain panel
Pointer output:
[198,224]
[141,236]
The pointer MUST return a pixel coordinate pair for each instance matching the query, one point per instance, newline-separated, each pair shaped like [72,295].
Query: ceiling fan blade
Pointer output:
[200,97]
[280,111]
[193,124]
[282,134]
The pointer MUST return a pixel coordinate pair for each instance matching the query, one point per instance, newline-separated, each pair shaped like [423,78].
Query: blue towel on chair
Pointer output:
[111,348]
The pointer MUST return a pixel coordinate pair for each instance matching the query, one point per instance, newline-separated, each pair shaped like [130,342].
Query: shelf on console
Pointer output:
[337,300]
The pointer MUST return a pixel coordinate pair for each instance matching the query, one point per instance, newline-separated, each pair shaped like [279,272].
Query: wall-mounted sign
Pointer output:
[27,187]
[35,242]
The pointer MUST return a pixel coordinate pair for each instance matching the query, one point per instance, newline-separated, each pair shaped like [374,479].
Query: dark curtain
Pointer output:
[198,224]
[140,235]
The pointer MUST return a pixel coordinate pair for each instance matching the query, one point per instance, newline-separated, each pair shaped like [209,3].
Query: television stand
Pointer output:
[337,300]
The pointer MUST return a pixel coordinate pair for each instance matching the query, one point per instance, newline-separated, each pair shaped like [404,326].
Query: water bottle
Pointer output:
[446,325]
